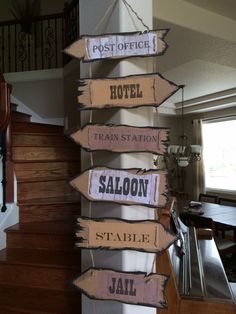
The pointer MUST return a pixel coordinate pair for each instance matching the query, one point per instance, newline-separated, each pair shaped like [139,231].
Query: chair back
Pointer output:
[208,198]
[227,202]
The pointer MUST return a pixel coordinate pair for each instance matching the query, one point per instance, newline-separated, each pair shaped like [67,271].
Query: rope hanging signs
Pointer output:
[118,46]
[132,186]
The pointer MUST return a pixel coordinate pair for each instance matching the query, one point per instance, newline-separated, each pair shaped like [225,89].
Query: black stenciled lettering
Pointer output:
[126,186]
[119,289]
[102,186]
[113,92]
[112,288]
[110,188]
[99,236]
[143,184]
[118,189]
[134,187]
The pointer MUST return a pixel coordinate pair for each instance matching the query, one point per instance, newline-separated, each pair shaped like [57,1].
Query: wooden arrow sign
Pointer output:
[118,46]
[126,92]
[133,288]
[123,186]
[122,138]
[116,234]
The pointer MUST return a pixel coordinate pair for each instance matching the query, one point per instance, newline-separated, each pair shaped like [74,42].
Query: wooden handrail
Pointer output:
[5,109]
[5,129]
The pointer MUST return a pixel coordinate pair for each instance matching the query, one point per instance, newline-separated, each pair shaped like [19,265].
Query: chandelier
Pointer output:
[183,154]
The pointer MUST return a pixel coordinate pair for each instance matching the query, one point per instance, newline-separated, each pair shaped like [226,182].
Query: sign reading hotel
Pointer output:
[128,186]
[133,288]
[147,236]
[126,92]
[118,46]
[122,138]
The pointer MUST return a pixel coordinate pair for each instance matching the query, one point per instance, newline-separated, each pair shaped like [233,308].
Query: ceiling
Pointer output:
[202,51]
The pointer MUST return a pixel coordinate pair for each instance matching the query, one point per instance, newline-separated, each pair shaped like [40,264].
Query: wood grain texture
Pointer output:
[45,171]
[37,139]
[31,127]
[25,154]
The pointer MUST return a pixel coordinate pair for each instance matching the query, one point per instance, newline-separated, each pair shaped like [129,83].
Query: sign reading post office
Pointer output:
[117,46]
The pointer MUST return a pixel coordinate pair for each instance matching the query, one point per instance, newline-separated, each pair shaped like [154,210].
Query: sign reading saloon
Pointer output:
[122,138]
[90,48]
[133,288]
[147,236]
[129,186]
[125,92]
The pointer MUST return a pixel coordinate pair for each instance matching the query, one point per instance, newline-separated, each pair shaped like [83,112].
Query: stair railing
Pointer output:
[5,150]
[39,43]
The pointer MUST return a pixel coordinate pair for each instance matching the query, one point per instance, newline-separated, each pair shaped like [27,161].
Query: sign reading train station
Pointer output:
[122,138]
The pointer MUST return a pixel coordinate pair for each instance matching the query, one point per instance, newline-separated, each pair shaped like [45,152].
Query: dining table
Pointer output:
[222,215]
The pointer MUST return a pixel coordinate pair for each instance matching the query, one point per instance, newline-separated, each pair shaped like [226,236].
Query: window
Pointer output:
[219,154]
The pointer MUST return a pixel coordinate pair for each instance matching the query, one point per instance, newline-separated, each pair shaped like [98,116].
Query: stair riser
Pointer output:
[34,299]
[40,241]
[27,127]
[42,213]
[41,140]
[19,116]
[32,190]
[41,277]
[45,154]
[46,171]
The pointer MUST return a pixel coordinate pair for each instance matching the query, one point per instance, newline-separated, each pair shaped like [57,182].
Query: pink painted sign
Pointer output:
[133,288]
[122,138]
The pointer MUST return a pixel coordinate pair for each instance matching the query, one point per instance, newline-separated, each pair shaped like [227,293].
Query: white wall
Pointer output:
[41,91]
[91,13]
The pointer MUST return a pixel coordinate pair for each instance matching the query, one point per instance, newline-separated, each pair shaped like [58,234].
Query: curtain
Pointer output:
[198,166]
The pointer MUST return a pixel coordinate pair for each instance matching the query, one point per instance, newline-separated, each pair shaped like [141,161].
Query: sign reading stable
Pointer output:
[132,288]
[122,138]
[126,92]
[128,186]
[90,48]
[148,236]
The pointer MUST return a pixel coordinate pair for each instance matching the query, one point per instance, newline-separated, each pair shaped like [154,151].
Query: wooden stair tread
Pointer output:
[31,299]
[39,139]
[40,258]
[9,310]
[64,199]
[20,116]
[43,228]
[32,153]
[34,127]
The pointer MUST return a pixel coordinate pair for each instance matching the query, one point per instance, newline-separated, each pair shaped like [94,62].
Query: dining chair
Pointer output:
[208,198]
[226,231]
[224,246]
[227,202]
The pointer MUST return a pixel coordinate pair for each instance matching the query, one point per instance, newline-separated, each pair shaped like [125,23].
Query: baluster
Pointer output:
[3,61]
[9,49]
[16,51]
[3,154]
[56,43]
[42,44]
[35,46]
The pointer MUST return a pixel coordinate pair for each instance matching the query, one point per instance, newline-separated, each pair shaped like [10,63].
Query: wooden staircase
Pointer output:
[40,260]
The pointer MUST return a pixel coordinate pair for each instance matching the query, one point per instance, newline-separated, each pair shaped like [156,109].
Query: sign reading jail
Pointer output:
[126,92]
[113,46]
[122,138]
[129,186]
[133,288]
[147,236]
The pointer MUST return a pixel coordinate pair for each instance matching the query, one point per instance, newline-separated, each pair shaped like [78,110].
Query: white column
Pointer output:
[119,20]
